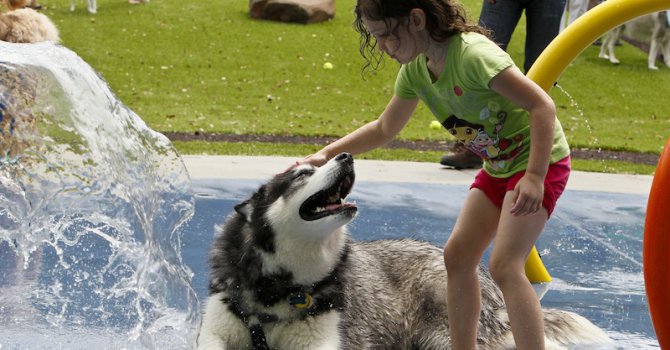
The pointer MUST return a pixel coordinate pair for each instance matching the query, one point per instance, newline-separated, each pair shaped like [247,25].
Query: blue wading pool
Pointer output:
[592,245]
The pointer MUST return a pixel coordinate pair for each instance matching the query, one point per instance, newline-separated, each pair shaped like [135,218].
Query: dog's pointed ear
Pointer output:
[245,209]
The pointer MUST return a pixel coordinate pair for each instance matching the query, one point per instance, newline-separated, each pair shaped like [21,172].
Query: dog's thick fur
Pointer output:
[286,275]
[659,41]
[27,26]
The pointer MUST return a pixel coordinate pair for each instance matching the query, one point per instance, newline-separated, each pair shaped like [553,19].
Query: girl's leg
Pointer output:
[515,238]
[472,234]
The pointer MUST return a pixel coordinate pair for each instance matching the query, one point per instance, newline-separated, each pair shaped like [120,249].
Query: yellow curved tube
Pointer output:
[535,270]
[564,49]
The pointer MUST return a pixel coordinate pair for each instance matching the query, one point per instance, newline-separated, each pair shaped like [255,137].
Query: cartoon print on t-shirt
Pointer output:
[485,144]
[475,138]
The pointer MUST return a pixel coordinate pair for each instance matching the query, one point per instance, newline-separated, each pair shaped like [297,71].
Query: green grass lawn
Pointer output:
[206,66]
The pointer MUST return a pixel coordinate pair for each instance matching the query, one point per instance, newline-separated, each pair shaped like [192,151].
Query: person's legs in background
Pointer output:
[573,10]
[501,18]
[543,19]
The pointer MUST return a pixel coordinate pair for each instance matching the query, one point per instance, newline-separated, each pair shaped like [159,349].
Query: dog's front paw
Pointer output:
[653,67]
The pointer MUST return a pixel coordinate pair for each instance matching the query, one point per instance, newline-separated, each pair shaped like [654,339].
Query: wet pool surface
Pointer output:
[592,245]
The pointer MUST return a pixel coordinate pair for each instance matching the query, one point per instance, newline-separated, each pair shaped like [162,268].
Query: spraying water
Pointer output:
[582,119]
[92,203]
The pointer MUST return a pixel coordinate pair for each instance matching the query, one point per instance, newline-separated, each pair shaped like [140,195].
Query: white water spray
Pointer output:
[92,203]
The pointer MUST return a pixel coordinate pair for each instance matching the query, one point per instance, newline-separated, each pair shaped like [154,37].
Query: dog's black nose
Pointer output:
[344,157]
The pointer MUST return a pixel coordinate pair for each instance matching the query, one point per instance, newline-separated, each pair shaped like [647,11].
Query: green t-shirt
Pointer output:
[485,122]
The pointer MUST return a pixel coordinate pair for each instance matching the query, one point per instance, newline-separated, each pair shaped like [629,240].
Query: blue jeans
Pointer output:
[542,21]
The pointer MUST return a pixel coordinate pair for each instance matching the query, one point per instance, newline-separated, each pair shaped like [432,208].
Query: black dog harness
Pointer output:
[312,300]
[300,298]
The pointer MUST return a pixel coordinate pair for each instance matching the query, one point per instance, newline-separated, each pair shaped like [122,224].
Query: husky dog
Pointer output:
[659,41]
[286,275]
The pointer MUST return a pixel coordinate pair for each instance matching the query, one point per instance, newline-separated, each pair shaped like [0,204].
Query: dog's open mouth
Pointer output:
[329,201]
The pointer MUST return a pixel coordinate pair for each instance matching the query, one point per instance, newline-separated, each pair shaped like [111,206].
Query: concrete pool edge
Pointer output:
[263,167]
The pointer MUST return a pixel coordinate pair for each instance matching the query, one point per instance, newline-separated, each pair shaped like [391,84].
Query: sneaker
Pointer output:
[462,160]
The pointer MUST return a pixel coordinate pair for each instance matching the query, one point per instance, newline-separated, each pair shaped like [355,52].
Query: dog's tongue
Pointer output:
[331,207]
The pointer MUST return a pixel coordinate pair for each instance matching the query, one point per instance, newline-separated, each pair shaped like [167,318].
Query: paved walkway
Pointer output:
[247,167]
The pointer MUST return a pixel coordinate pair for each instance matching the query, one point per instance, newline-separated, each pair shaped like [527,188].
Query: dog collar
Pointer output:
[300,299]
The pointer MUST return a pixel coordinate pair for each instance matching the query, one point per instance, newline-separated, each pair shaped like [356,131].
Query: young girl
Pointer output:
[474,89]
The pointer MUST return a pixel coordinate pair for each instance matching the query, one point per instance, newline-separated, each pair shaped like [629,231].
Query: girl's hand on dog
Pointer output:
[316,159]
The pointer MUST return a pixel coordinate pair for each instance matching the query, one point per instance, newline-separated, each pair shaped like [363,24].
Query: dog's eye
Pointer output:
[302,173]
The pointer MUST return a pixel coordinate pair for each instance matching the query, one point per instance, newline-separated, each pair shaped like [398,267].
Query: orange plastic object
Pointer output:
[656,250]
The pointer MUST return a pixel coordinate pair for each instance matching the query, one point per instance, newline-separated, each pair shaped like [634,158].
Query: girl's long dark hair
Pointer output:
[444,18]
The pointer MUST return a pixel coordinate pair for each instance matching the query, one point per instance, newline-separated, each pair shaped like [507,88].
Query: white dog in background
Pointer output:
[659,41]
[92,6]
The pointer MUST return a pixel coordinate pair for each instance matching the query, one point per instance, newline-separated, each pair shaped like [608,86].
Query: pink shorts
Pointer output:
[554,183]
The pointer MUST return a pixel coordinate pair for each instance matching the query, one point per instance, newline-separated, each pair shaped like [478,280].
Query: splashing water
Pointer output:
[573,103]
[92,204]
